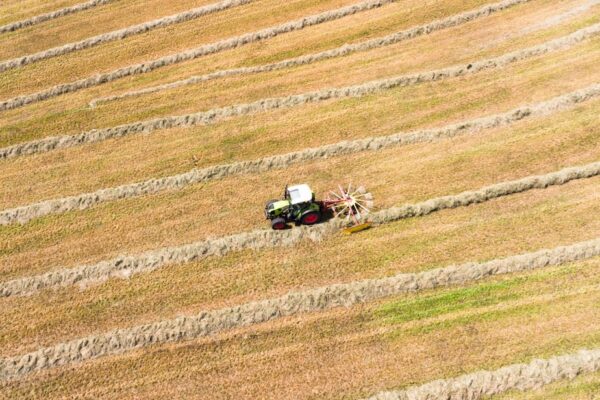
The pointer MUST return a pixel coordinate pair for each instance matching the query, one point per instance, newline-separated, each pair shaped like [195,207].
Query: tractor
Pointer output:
[299,206]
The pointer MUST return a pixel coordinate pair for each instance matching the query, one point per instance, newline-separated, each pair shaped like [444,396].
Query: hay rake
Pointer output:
[352,205]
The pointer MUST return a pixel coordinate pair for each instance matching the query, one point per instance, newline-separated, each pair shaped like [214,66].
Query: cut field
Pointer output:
[135,261]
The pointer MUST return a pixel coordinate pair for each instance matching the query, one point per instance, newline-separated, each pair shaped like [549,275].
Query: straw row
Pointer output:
[84,201]
[51,15]
[343,50]
[339,295]
[217,114]
[125,266]
[121,34]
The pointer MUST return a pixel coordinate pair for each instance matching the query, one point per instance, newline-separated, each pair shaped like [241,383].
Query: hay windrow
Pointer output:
[487,193]
[217,114]
[125,266]
[343,50]
[121,34]
[522,377]
[52,15]
[339,295]
[84,201]
[186,55]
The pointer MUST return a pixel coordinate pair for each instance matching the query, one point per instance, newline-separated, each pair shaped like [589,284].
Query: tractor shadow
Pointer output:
[326,215]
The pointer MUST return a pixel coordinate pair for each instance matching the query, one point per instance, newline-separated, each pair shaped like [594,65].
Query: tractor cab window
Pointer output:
[300,194]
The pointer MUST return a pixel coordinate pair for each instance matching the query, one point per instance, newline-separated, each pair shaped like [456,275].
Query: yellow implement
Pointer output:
[356,228]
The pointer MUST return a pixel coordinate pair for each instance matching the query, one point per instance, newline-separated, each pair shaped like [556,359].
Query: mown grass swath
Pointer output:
[343,50]
[217,114]
[190,54]
[125,266]
[326,297]
[521,377]
[84,201]
[38,19]
[121,34]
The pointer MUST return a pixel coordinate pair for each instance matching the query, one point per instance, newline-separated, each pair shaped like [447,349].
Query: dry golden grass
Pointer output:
[353,353]
[105,18]
[115,162]
[585,387]
[397,175]
[342,353]
[17,10]
[520,223]
[160,42]
[93,166]
[174,218]
[70,114]
[284,46]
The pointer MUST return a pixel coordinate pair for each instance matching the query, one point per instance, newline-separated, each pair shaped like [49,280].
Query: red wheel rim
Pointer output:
[279,225]
[311,218]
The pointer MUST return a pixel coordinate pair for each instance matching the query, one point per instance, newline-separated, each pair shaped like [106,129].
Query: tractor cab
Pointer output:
[299,194]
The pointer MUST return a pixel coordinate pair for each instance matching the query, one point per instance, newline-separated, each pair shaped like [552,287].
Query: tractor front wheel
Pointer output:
[278,223]
[310,218]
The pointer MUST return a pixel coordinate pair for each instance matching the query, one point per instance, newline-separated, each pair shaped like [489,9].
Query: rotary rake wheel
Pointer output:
[351,205]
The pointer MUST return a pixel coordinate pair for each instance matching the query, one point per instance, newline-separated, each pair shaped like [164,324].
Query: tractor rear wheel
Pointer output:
[310,218]
[278,223]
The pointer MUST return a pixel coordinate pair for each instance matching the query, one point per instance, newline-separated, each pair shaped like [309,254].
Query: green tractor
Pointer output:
[298,206]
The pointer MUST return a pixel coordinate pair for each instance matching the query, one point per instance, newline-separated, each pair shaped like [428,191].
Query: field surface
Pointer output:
[137,152]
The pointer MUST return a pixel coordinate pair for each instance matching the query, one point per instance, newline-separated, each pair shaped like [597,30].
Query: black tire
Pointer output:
[310,217]
[278,223]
